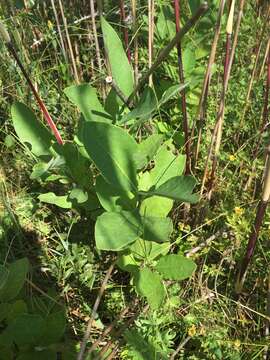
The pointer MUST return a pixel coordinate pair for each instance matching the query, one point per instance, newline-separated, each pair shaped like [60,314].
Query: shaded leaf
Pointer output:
[17,272]
[84,96]
[156,229]
[30,130]
[146,105]
[113,199]
[147,149]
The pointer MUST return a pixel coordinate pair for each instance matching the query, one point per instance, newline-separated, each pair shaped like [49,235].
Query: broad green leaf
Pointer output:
[156,206]
[115,231]
[84,96]
[156,229]
[120,67]
[144,108]
[113,199]
[167,165]
[149,284]
[165,23]
[51,198]
[147,149]
[54,328]
[78,167]
[15,281]
[112,150]
[30,130]
[26,329]
[3,276]
[175,267]
[78,195]
[178,188]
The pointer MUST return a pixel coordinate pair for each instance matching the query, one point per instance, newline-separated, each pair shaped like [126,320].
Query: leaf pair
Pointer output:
[149,283]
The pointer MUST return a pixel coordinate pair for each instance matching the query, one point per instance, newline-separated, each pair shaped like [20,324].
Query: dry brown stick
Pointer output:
[118,334]
[180,347]
[109,328]
[206,82]
[69,43]
[94,311]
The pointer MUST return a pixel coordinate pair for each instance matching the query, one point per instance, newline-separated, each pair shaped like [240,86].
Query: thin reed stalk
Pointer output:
[200,117]
[216,135]
[125,30]
[71,52]
[183,92]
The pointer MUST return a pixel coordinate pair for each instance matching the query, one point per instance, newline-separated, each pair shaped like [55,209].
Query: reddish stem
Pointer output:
[125,31]
[183,93]
[40,102]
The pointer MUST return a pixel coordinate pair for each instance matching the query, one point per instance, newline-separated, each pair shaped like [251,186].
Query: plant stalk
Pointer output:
[183,92]
[125,30]
[167,49]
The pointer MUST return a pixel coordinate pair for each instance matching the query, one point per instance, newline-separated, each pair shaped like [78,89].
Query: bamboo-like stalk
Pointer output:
[71,52]
[265,58]
[97,48]
[241,275]
[221,109]
[136,48]
[59,32]
[125,30]
[6,38]
[150,36]
[168,48]
[206,83]
[183,92]
[218,133]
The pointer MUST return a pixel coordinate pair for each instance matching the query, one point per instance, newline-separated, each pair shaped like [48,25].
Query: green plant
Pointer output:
[132,185]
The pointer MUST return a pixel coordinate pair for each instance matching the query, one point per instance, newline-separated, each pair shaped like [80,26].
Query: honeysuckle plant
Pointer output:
[127,184]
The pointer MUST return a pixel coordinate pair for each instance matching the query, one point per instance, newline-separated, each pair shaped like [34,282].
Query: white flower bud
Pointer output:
[4,33]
